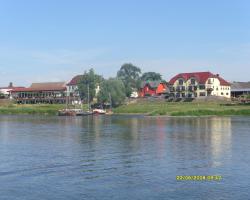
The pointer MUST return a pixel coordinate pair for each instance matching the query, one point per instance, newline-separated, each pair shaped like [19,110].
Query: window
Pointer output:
[180,82]
[222,93]
[202,94]
[190,88]
[192,81]
[226,93]
[202,87]
[209,81]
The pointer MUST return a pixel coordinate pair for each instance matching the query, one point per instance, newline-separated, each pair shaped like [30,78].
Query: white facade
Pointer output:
[192,88]
[214,85]
[72,90]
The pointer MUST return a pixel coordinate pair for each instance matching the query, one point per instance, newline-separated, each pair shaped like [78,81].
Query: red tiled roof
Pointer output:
[52,86]
[75,80]
[201,77]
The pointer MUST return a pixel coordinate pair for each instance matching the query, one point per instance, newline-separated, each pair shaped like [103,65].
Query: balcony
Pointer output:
[209,88]
[190,88]
[180,88]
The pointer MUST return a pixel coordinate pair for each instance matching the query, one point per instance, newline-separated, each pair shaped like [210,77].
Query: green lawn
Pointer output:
[43,109]
[183,108]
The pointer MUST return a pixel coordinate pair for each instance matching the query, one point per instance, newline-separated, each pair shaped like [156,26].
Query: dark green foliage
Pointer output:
[151,76]
[113,88]
[91,80]
[1,95]
[130,76]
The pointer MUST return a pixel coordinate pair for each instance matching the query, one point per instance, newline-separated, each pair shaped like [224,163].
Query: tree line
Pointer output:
[128,80]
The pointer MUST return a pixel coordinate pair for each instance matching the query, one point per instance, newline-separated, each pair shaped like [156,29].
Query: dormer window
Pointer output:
[180,82]
[209,81]
[192,81]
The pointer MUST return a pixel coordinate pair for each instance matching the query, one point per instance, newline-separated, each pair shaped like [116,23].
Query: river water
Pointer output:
[123,157]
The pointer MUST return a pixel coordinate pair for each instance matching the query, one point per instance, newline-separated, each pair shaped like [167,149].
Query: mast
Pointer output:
[110,101]
[88,98]
[66,99]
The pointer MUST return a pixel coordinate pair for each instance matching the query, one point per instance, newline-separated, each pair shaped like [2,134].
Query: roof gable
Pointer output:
[75,80]
[151,84]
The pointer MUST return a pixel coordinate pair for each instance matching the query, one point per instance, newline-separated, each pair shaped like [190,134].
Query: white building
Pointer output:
[199,84]
[72,89]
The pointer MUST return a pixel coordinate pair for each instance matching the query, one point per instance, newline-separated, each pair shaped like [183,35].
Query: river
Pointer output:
[123,157]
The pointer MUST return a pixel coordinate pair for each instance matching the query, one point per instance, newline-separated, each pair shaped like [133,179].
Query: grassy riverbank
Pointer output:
[183,109]
[33,109]
[151,108]
[42,109]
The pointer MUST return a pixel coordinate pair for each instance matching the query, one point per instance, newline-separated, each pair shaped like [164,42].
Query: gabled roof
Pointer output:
[49,86]
[240,85]
[201,77]
[152,84]
[75,80]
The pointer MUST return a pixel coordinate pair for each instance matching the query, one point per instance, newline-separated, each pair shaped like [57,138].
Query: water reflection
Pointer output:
[115,155]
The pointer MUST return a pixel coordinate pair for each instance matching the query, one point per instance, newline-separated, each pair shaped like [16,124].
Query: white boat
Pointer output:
[99,111]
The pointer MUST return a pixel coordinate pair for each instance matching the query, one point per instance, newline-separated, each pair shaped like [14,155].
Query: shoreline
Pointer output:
[145,109]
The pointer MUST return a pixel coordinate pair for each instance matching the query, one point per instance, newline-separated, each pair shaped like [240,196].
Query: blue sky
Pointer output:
[52,40]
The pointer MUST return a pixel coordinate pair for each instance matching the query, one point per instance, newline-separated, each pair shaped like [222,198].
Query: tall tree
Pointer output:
[113,88]
[89,81]
[130,76]
[151,76]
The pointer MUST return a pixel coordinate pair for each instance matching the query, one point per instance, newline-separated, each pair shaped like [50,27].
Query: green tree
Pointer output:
[89,80]
[130,76]
[112,87]
[151,76]
[2,95]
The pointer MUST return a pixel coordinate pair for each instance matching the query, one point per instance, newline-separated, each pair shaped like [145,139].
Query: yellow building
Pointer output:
[199,84]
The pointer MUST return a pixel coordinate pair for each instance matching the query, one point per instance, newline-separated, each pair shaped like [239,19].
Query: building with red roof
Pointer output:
[153,88]
[49,92]
[198,84]
[72,86]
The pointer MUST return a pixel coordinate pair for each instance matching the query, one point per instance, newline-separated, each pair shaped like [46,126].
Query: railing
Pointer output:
[209,88]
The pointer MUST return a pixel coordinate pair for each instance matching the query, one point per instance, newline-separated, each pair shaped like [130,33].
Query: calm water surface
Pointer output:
[119,157]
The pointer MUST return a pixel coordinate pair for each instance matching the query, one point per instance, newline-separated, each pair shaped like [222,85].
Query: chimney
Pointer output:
[217,75]
[11,85]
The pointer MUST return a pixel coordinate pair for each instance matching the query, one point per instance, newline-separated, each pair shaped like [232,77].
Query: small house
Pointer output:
[153,88]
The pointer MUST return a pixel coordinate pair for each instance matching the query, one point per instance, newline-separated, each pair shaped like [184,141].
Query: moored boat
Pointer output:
[99,111]
[74,112]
